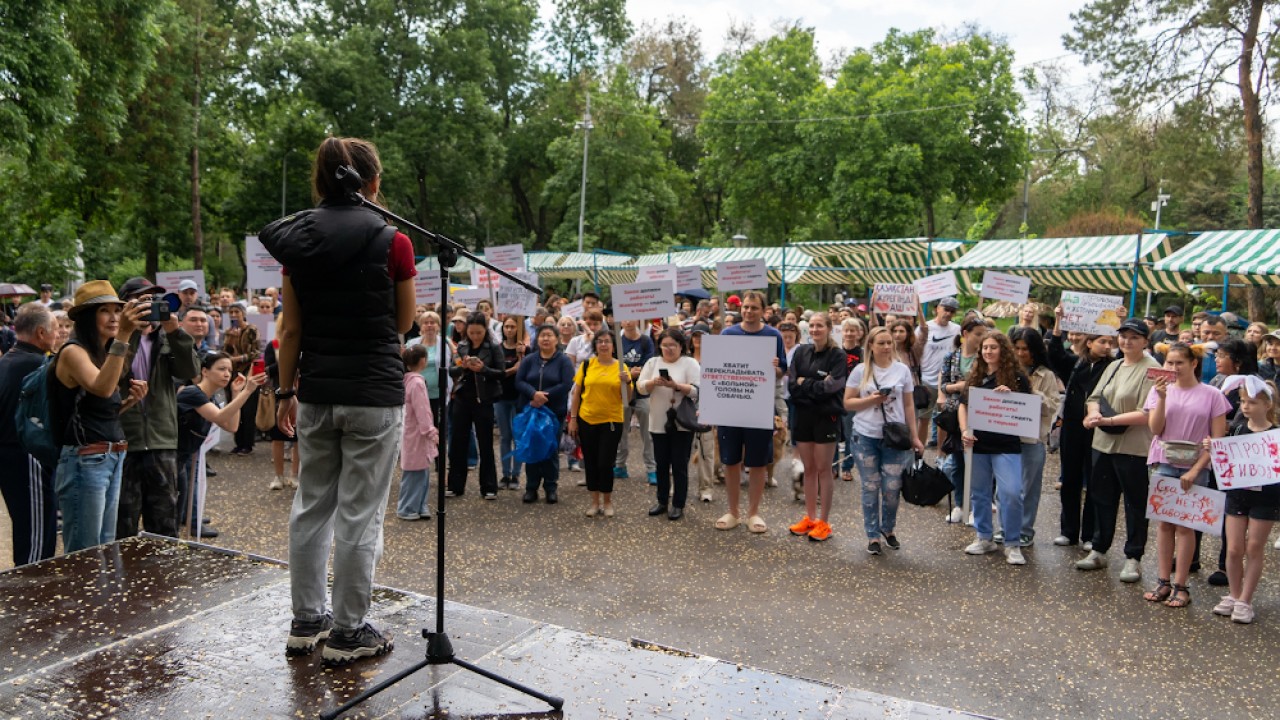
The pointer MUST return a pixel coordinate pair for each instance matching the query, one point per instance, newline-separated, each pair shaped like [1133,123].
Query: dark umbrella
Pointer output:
[695,294]
[15,290]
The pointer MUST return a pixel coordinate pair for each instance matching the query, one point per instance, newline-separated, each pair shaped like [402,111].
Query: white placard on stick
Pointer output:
[896,299]
[513,299]
[426,287]
[169,280]
[688,278]
[1091,314]
[1245,461]
[1010,413]
[506,257]
[936,287]
[483,277]
[737,381]
[742,275]
[573,309]
[470,297]
[266,325]
[657,273]
[643,301]
[1003,286]
[1199,508]
[261,269]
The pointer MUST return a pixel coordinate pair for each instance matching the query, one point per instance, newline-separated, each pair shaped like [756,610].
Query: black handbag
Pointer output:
[684,415]
[921,396]
[896,435]
[1107,411]
[924,484]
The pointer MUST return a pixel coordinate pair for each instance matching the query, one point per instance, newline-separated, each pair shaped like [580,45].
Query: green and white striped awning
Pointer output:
[1080,263]
[797,263]
[867,262]
[1251,255]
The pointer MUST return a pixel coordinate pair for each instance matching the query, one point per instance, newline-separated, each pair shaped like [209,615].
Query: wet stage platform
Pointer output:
[155,628]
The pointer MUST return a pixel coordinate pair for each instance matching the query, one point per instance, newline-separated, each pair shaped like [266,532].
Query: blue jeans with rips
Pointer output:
[88,490]
[880,469]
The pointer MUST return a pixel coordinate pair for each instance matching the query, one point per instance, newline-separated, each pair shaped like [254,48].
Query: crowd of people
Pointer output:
[135,392]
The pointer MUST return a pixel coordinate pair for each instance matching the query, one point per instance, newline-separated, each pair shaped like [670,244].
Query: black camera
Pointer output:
[163,308]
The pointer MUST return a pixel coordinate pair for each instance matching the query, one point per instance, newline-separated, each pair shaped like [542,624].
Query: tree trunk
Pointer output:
[1253,129]
[197,229]
[929,223]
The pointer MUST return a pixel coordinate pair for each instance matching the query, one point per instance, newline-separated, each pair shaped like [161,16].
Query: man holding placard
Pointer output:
[752,446]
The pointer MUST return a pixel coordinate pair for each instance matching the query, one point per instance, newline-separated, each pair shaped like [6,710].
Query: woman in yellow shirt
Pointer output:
[595,418]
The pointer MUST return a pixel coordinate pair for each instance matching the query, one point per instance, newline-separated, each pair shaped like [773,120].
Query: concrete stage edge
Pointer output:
[157,628]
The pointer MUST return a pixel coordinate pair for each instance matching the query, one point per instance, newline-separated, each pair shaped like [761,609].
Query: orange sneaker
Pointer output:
[820,532]
[803,527]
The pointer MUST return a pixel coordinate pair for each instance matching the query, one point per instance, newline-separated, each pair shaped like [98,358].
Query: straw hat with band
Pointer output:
[95,292]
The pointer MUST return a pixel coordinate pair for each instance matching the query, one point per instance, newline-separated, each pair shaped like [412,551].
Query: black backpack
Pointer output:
[924,484]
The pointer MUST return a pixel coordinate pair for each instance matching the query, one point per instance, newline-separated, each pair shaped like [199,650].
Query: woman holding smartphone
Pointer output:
[667,379]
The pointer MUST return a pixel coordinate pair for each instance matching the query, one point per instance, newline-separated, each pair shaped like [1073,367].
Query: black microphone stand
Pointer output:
[439,647]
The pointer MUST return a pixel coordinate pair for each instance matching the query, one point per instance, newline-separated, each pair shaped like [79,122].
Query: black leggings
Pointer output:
[599,445]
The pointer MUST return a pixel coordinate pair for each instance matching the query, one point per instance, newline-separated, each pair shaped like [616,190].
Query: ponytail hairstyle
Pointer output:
[1006,371]
[335,152]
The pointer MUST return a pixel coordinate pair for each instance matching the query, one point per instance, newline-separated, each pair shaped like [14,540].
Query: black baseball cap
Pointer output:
[1134,325]
[1173,310]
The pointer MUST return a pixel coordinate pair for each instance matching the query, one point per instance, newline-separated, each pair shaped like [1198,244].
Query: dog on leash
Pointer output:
[786,468]
[780,445]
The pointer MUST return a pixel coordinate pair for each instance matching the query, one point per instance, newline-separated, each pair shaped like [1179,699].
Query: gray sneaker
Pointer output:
[1093,561]
[347,646]
[305,634]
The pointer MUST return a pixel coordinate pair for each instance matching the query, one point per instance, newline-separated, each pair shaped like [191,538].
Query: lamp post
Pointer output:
[585,125]
[740,241]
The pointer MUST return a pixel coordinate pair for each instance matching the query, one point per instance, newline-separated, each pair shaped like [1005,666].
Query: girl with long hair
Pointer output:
[477,375]
[904,341]
[952,384]
[420,440]
[995,455]
[244,349]
[853,332]
[514,344]
[1028,347]
[816,378]
[879,392]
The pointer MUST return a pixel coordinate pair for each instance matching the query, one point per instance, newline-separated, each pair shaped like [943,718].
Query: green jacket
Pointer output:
[153,423]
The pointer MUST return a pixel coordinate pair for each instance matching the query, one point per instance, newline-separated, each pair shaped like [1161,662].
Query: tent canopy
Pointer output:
[1252,254]
[1083,263]
[897,261]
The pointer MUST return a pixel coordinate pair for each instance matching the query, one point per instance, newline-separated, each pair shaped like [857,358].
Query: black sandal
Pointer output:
[1177,602]
[1163,590]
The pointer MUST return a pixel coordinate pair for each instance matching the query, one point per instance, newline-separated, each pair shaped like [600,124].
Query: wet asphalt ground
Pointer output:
[927,623]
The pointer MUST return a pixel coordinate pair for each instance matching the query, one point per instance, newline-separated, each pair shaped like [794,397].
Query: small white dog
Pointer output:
[791,469]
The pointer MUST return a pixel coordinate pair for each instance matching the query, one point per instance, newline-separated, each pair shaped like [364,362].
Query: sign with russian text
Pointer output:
[1199,508]
[896,299]
[738,381]
[169,280]
[266,325]
[512,299]
[641,301]
[688,278]
[470,297]
[506,257]
[1009,413]
[261,270]
[936,287]
[1091,314]
[657,273]
[1246,461]
[742,275]
[573,309]
[1003,286]
[426,287]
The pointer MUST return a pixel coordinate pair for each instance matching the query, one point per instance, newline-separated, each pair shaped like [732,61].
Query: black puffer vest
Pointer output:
[337,256]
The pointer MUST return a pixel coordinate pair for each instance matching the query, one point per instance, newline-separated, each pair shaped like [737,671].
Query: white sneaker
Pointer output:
[981,547]
[957,515]
[1225,606]
[1132,571]
[1093,561]
[291,482]
[1088,546]
[1013,556]
[1277,545]
[1062,541]
[276,484]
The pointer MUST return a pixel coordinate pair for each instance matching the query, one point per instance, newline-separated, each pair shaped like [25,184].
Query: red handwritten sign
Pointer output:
[1198,508]
[1245,461]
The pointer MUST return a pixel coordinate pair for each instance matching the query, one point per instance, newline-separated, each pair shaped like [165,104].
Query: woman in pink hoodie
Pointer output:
[420,444]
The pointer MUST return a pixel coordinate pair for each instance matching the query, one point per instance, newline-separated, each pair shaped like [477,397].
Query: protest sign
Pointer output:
[936,287]
[1198,508]
[470,297]
[742,275]
[1010,413]
[169,280]
[483,277]
[196,501]
[642,301]
[896,299]
[266,325]
[506,257]
[515,300]
[737,381]
[1245,461]
[1170,376]
[1091,314]
[426,287]
[688,278]
[1003,286]
[261,270]
[657,273]
[573,309]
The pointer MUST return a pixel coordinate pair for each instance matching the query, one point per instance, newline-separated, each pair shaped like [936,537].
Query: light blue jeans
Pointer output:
[504,411]
[348,453]
[414,486]
[880,469]
[88,490]
[1032,484]
[1007,470]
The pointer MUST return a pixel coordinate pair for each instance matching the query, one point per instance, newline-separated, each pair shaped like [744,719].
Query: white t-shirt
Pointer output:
[870,423]
[939,343]
[579,348]
[685,370]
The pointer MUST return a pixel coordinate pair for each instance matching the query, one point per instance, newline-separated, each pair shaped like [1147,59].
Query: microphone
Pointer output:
[349,179]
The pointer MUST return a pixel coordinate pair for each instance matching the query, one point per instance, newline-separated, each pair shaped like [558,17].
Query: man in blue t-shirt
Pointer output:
[637,348]
[752,446]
